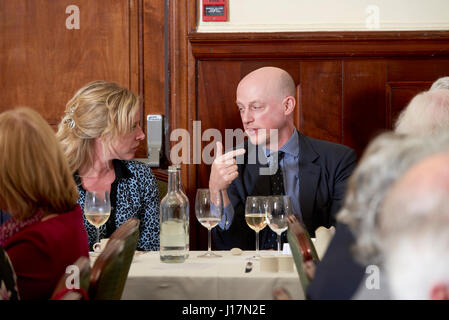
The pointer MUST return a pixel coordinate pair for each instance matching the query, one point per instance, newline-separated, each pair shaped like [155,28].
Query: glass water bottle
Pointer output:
[173,212]
[181,189]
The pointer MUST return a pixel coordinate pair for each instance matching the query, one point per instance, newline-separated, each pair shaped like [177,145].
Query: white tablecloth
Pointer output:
[206,278]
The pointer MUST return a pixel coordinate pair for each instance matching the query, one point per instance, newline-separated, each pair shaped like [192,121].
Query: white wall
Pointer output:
[331,15]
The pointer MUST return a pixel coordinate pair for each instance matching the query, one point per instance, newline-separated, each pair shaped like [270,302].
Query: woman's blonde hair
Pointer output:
[34,173]
[100,109]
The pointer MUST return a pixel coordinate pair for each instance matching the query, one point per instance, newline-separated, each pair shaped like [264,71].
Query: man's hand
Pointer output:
[224,168]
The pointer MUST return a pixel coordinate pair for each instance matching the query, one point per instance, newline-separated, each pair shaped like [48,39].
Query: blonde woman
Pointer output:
[45,233]
[99,134]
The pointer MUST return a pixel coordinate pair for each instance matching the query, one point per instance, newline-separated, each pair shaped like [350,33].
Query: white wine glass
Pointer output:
[255,216]
[209,212]
[97,209]
[279,208]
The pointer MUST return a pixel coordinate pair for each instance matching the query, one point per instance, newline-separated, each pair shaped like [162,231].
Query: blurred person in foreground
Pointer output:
[426,114]
[3,217]
[99,134]
[441,83]
[312,172]
[45,233]
[414,231]
[8,279]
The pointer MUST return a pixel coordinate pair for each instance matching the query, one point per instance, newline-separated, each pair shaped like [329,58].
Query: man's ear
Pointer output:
[440,291]
[289,104]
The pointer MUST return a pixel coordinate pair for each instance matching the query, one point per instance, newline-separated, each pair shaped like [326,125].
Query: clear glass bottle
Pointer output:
[181,189]
[173,211]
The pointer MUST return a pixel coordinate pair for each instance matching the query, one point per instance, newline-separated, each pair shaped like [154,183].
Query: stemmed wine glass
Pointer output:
[209,212]
[279,207]
[255,216]
[97,209]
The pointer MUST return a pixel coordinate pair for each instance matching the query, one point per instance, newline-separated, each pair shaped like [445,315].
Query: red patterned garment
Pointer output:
[40,252]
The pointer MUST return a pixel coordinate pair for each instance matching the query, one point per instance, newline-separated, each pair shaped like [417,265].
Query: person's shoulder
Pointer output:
[138,166]
[141,172]
[324,147]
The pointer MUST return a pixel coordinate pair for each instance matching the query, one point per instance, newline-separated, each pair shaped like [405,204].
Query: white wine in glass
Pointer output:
[97,209]
[279,208]
[255,216]
[209,212]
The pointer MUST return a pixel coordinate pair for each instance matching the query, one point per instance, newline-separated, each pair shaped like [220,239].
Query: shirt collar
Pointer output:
[291,147]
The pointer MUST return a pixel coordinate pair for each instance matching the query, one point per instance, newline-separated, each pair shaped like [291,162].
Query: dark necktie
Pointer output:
[277,179]
[277,189]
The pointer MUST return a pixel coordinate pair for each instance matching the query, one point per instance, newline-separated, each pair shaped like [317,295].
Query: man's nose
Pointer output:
[247,116]
[140,134]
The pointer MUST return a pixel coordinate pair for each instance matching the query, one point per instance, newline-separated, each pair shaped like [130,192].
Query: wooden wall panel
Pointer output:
[364,102]
[424,69]
[321,99]
[43,63]
[216,103]
[399,94]
[153,56]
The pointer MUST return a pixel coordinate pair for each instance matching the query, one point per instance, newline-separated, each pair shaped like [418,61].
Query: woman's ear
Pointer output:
[289,104]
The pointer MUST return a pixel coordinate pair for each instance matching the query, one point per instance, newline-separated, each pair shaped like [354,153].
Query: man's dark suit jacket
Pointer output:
[324,169]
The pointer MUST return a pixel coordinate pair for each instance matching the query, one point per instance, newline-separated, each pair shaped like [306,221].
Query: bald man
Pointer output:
[314,172]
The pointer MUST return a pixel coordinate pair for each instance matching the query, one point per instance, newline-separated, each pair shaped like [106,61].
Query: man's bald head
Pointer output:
[274,82]
[266,101]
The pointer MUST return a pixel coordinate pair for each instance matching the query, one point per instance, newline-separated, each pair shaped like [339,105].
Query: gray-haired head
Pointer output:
[416,260]
[441,83]
[427,113]
[386,158]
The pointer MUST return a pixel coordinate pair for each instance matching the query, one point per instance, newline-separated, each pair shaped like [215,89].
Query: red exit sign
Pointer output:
[215,10]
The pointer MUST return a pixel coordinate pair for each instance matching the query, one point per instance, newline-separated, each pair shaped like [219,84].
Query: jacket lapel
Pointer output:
[309,175]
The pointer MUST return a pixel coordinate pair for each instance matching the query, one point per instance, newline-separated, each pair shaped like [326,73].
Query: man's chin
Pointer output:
[257,140]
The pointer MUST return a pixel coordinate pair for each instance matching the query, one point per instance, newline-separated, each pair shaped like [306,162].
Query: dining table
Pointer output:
[229,277]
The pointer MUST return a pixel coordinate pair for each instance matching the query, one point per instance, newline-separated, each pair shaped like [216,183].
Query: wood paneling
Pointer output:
[182,15]
[43,63]
[321,99]
[428,68]
[319,44]
[152,54]
[364,103]
[399,95]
